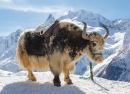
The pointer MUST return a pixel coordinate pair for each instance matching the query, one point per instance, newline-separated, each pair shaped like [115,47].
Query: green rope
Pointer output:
[91,72]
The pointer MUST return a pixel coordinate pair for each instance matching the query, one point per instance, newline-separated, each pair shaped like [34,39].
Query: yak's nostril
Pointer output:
[100,60]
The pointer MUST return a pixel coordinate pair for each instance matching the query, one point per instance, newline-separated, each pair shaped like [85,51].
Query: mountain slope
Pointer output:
[121,24]
[7,41]
[8,46]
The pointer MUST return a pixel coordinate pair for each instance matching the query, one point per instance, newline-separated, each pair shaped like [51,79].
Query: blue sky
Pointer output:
[26,14]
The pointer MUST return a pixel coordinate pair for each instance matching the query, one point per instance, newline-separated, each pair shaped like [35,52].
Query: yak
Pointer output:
[59,52]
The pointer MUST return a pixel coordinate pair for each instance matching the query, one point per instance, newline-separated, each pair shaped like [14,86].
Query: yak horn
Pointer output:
[84,34]
[107,32]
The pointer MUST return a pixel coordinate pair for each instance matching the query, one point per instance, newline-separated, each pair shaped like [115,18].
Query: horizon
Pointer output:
[26,14]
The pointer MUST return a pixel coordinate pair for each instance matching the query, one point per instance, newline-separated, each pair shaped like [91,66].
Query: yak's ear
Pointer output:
[106,33]
[84,34]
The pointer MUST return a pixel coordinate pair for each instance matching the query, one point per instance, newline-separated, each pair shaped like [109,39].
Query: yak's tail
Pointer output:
[22,57]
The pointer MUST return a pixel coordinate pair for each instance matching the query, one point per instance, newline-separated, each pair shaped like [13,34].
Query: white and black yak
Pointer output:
[59,53]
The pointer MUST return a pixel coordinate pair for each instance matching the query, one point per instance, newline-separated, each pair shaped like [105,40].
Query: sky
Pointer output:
[27,14]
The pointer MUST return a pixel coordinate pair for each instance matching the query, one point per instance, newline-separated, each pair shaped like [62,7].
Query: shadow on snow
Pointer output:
[29,87]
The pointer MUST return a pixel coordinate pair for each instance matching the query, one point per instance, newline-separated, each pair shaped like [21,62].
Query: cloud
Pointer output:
[7,1]
[12,5]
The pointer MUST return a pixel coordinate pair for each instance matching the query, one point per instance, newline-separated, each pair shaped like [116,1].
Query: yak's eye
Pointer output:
[94,44]
[41,33]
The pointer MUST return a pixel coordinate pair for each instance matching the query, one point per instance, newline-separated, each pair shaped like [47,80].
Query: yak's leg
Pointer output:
[27,65]
[56,66]
[56,80]
[31,75]
[66,74]
[56,72]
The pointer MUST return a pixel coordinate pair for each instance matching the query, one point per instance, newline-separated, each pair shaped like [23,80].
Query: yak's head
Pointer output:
[96,45]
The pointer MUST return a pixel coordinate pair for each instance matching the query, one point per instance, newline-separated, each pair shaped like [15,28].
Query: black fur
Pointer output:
[75,27]
[71,25]
[35,45]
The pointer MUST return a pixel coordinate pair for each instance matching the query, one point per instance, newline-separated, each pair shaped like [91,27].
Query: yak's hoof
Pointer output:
[57,84]
[69,83]
[32,79]
[56,81]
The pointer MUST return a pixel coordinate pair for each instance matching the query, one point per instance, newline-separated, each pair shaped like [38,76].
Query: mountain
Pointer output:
[8,46]
[96,19]
[7,42]
[49,20]
[88,17]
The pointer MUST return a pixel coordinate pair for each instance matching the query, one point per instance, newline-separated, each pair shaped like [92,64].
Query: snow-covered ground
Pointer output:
[17,83]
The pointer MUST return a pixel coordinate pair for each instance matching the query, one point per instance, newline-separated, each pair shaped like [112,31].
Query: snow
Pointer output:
[17,83]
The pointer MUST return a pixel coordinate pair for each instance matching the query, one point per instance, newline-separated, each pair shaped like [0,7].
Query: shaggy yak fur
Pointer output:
[58,53]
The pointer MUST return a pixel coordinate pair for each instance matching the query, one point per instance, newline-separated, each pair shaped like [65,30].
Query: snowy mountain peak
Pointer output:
[88,17]
[83,11]
[50,16]
[18,31]
[49,20]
